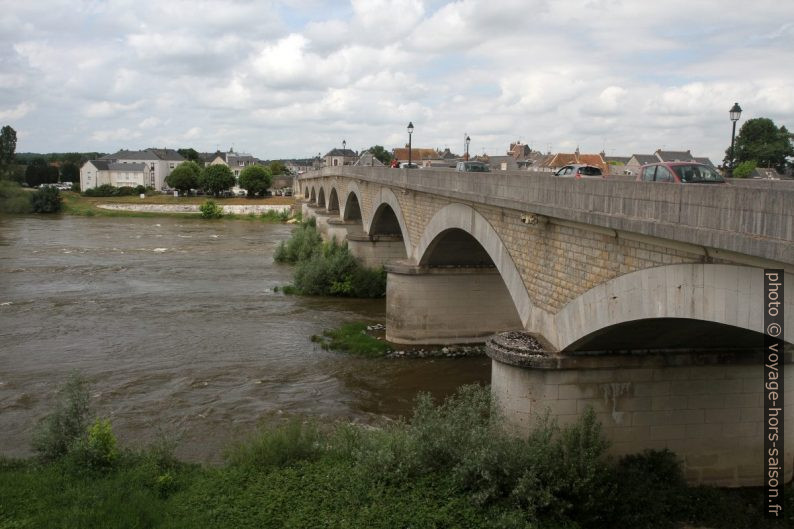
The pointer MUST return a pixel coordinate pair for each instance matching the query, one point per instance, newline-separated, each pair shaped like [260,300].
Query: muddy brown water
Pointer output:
[176,324]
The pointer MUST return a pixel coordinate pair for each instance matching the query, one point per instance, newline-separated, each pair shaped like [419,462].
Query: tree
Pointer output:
[189,154]
[40,172]
[184,177]
[256,179]
[277,167]
[8,146]
[216,178]
[70,172]
[744,169]
[760,141]
[381,154]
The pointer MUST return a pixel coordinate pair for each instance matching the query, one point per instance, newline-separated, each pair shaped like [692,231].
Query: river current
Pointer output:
[177,326]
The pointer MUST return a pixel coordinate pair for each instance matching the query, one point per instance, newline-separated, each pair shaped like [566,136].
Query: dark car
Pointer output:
[680,173]
[580,171]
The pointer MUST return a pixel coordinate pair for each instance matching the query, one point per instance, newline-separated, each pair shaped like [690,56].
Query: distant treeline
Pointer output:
[77,158]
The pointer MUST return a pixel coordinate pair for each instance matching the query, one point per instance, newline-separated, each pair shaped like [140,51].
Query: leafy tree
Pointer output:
[184,177]
[8,146]
[256,179]
[277,167]
[70,172]
[189,154]
[381,154]
[759,140]
[40,172]
[216,178]
[744,169]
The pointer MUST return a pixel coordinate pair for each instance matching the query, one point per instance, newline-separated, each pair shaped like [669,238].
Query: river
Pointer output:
[176,324]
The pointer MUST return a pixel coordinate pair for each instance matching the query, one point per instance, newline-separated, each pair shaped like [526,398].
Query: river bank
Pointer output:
[168,205]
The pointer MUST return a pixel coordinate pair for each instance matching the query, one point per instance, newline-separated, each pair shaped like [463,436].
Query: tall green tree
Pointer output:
[40,172]
[70,172]
[256,179]
[184,177]
[277,167]
[761,141]
[216,178]
[8,147]
[381,154]
[189,154]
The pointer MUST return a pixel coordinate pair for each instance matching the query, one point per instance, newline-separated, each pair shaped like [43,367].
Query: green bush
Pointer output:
[14,199]
[651,487]
[98,449]
[46,200]
[301,246]
[105,190]
[58,432]
[211,210]
[278,446]
[328,269]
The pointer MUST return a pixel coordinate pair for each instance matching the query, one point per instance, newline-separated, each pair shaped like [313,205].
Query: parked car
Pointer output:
[580,171]
[406,165]
[473,167]
[680,173]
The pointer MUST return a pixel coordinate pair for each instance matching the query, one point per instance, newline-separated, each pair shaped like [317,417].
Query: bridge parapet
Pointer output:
[748,220]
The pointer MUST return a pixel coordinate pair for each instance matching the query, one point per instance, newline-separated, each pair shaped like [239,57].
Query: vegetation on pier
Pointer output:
[327,268]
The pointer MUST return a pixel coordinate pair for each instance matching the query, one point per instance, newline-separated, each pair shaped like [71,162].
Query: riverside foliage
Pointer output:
[449,465]
[327,269]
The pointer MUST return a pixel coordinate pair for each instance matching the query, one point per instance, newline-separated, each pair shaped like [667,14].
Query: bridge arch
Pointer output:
[333,201]
[723,298]
[351,208]
[321,197]
[305,192]
[387,204]
[313,196]
[467,219]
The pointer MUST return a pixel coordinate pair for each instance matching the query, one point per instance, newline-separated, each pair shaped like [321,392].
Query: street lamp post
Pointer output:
[735,113]
[468,140]
[410,131]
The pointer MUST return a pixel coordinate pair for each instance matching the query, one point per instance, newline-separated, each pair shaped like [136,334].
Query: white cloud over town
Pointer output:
[294,78]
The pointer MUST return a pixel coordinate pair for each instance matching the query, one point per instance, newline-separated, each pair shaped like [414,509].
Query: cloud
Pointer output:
[17,112]
[294,77]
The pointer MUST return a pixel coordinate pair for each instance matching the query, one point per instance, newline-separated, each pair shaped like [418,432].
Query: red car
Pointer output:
[680,173]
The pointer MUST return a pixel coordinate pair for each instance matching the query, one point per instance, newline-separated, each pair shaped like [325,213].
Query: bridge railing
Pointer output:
[745,219]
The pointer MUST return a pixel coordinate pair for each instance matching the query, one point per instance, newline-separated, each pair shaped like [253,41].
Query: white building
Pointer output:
[130,168]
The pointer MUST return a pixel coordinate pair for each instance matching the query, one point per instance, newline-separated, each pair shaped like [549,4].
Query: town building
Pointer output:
[125,168]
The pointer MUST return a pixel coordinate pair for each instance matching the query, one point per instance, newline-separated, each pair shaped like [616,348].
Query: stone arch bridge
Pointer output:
[645,297]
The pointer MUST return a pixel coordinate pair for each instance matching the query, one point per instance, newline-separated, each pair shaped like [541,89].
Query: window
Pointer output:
[663,175]
[171,165]
[647,173]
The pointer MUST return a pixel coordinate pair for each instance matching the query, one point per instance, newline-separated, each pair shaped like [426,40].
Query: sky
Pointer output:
[294,78]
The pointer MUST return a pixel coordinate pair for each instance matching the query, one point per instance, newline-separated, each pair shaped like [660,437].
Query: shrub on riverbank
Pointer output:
[451,465]
[46,200]
[211,210]
[328,269]
[352,338]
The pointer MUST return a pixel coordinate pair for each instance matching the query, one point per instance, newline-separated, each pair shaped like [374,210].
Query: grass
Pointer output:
[352,338]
